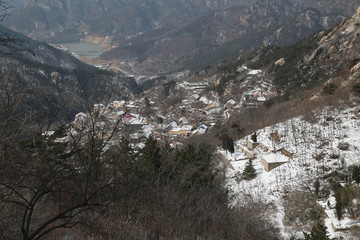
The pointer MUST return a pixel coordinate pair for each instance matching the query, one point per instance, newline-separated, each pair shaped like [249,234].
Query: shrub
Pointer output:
[343,146]
[254,137]
[249,171]
[356,89]
[329,89]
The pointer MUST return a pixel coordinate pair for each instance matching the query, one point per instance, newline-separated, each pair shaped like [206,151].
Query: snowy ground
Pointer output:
[314,140]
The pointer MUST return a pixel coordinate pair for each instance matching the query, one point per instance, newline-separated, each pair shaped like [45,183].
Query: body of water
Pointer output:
[83,49]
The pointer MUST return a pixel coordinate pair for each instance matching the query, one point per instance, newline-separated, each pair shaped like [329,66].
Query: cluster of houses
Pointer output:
[269,157]
[125,119]
[198,110]
[258,89]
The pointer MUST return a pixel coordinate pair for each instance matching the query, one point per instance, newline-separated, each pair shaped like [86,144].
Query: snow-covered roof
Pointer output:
[173,124]
[183,120]
[195,96]
[254,72]
[201,129]
[261,99]
[132,119]
[118,103]
[185,128]
[99,105]
[231,101]
[140,145]
[48,133]
[204,100]
[275,158]
[80,115]
[212,104]
[147,132]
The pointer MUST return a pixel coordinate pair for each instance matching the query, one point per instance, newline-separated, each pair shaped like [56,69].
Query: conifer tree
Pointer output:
[231,145]
[254,137]
[249,171]
[319,232]
[356,174]
[150,157]
[228,143]
[317,187]
[338,208]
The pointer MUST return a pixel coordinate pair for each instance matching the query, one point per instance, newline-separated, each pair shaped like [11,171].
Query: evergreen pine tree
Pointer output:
[231,145]
[227,143]
[254,137]
[150,157]
[249,171]
[338,208]
[319,232]
[356,174]
[317,187]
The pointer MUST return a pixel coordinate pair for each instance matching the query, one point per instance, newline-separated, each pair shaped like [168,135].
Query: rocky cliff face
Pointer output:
[325,66]
[338,54]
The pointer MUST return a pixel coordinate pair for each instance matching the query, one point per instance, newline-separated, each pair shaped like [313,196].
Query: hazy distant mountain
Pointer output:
[225,33]
[17,3]
[159,36]
[47,18]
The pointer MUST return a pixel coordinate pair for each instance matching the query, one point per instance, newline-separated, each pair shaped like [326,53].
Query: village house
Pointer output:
[80,119]
[181,131]
[273,160]
[200,130]
[118,104]
[251,145]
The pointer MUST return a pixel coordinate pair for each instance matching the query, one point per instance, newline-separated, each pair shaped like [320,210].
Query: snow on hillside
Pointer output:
[316,141]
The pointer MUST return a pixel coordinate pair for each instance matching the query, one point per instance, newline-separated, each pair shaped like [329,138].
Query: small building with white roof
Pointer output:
[273,160]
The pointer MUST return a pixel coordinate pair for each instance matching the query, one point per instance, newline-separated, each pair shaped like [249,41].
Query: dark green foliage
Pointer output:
[329,89]
[224,81]
[254,137]
[269,102]
[288,76]
[167,87]
[147,102]
[356,89]
[317,187]
[149,160]
[337,188]
[227,143]
[237,127]
[318,232]
[249,171]
[194,166]
[60,132]
[355,173]
[339,209]
[150,83]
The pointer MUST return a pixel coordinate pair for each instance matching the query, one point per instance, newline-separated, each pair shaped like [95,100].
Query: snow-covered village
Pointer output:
[288,158]
[180,120]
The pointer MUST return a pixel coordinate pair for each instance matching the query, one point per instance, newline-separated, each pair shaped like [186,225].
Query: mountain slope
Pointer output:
[54,82]
[225,33]
[330,58]
[160,36]
[317,152]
